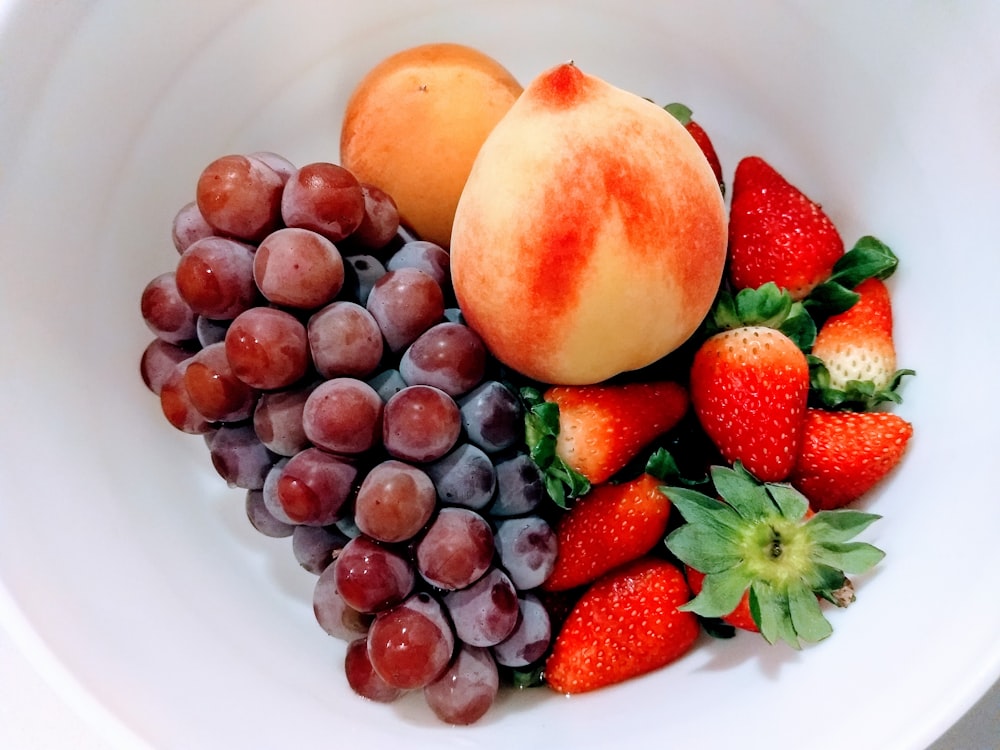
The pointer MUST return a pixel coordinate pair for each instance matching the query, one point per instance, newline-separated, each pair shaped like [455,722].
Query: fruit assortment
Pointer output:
[472,524]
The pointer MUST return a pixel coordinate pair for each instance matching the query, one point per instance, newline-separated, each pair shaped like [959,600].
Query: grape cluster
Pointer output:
[319,350]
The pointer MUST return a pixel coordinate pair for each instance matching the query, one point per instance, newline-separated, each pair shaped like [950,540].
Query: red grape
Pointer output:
[343,415]
[240,196]
[267,348]
[215,277]
[325,198]
[420,423]
[298,268]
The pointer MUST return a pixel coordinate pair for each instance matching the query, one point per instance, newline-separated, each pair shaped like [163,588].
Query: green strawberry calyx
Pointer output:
[759,537]
[856,395]
[541,431]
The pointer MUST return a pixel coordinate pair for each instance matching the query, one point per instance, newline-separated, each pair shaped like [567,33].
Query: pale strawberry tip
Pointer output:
[759,536]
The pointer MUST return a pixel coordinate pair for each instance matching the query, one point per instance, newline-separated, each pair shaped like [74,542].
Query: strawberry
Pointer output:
[739,617]
[696,131]
[590,432]
[749,389]
[762,543]
[845,454]
[611,525]
[625,625]
[778,234]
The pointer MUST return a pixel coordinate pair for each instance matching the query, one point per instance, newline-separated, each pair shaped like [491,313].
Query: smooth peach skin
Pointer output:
[414,125]
[590,238]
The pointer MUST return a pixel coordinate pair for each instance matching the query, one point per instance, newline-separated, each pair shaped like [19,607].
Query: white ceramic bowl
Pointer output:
[128,572]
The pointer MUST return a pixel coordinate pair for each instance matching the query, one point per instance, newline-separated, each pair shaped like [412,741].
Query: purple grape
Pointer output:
[158,362]
[520,487]
[467,689]
[278,420]
[262,519]
[420,423]
[425,256]
[464,477]
[343,415]
[456,550]
[314,486]
[449,356]
[527,547]
[531,637]
[485,613]
[492,416]
[332,612]
[239,457]
[405,302]
[315,547]
[344,339]
[361,273]
[363,678]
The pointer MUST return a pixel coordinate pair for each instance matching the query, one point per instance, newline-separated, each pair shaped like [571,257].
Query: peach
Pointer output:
[590,238]
[414,125]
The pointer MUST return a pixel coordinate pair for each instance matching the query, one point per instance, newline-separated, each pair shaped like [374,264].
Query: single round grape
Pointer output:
[420,423]
[240,196]
[387,383]
[381,219]
[371,577]
[189,226]
[449,356]
[456,550]
[267,348]
[215,277]
[215,390]
[394,502]
[363,678]
[344,339]
[425,256]
[332,612]
[175,402]
[492,416]
[527,547]
[239,457]
[411,644]
[314,486]
[343,415]
[158,361]
[277,419]
[484,613]
[530,639]
[325,198]
[316,547]
[282,166]
[269,492]
[520,486]
[166,313]
[262,519]
[298,268]
[467,689]
[360,274]
[211,331]
[464,477]
[405,303]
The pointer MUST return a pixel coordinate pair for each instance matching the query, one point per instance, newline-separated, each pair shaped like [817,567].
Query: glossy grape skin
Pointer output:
[520,487]
[449,356]
[240,196]
[530,639]
[456,550]
[215,277]
[298,268]
[158,361]
[405,303]
[425,256]
[239,457]
[527,547]
[344,339]
[325,198]
[175,402]
[314,486]
[343,415]
[395,501]
[485,613]
[214,389]
[380,221]
[464,477]
[165,311]
[262,519]
[277,419]
[492,416]
[371,577]
[189,226]
[363,678]
[269,492]
[467,689]
[316,547]
[420,423]
[411,644]
[267,348]
[332,613]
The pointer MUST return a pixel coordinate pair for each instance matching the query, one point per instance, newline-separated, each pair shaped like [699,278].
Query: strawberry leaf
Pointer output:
[850,557]
[681,112]
[839,525]
[791,502]
[720,593]
[807,619]
[662,465]
[699,547]
[746,496]
[541,430]
[869,258]
[856,395]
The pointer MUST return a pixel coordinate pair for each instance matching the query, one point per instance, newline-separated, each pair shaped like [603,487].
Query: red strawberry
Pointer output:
[778,234]
[749,388]
[627,624]
[857,344]
[603,427]
[611,525]
[845,454]
[739,617]
[683,115]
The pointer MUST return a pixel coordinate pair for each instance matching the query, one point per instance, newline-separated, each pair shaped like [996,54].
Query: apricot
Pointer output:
[590,238]
[414,125]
